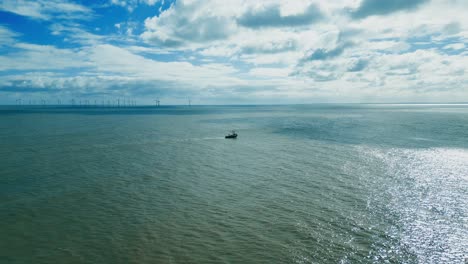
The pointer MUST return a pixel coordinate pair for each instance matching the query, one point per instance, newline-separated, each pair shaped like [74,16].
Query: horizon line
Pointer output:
[247,104]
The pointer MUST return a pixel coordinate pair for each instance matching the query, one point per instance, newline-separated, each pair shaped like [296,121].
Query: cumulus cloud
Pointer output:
[187,22]
[201,22]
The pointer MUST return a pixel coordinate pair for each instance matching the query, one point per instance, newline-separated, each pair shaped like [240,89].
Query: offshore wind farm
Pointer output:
[84,103]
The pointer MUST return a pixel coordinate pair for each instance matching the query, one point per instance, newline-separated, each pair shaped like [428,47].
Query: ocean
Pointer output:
[323,183]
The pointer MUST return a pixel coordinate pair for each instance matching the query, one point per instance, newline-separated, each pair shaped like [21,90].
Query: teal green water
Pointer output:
[301,184]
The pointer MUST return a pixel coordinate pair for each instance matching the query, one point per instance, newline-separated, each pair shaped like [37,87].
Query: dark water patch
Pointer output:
[391,129]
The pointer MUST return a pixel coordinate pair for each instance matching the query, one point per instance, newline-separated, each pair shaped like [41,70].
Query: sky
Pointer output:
[234,51]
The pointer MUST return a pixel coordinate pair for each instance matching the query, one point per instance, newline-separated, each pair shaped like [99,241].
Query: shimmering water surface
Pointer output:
[301,184]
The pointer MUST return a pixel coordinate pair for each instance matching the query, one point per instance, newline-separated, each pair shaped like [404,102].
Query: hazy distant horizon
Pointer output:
[232,104]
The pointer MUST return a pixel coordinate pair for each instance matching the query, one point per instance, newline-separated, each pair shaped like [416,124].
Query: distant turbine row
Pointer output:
[85,102]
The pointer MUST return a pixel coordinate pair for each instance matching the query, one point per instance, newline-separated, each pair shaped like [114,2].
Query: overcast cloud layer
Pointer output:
[234,51]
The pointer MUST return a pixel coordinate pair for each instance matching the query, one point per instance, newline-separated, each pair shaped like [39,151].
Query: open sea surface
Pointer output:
[325,183]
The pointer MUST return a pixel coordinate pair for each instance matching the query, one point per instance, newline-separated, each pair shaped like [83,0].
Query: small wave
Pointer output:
[421,139]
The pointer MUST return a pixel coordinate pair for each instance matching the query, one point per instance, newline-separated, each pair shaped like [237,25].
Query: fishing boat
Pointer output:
[233,134]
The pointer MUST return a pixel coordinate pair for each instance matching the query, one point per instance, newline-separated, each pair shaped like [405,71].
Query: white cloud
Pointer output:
[46,9]
[130,5]
[41,57]
[7,36]
[455,46]
[74,33]
[270,72]
[216,49]
[189,22]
